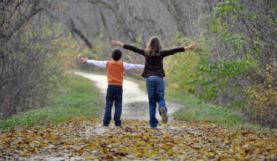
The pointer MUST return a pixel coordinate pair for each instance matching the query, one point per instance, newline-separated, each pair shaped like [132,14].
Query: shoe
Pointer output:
[155,128]
[164,115]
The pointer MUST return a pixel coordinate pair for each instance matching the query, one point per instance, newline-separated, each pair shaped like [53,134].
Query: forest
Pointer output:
[234,67]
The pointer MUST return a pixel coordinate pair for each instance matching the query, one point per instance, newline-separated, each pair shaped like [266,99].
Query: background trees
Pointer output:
[236,64]
[234,67]
[30,38]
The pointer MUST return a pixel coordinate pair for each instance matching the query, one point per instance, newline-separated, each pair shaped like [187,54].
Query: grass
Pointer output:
[207,112]
[203,111]
[78,98]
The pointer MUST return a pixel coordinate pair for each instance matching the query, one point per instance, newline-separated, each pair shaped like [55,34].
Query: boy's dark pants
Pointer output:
[114,94]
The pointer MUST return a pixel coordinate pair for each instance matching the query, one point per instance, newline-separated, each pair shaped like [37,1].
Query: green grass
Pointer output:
[78,98]
[211,113]
[203,111]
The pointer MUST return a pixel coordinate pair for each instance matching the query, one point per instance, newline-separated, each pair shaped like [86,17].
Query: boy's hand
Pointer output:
[84,59]
[191,47]
[117,43]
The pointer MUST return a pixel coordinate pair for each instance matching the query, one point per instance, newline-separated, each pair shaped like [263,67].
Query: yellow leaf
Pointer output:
[89,158]
[136,149]
[14,151]
[152,153]
[149,137]
[24,153]
[163,158]
[105,150]
[166,136]
[4,146]
[270,147]
[38,137]
[210,154]
[170,153]
[165,147]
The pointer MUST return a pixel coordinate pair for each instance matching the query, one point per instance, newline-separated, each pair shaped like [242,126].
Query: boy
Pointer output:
[115,70]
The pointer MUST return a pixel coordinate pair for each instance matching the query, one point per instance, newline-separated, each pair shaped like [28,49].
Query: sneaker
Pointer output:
[164,115]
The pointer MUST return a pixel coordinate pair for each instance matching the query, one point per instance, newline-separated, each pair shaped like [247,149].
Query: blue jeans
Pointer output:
[155,88]
[114,94]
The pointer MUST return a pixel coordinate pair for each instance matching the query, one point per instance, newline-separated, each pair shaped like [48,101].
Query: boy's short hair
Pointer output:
[116,54]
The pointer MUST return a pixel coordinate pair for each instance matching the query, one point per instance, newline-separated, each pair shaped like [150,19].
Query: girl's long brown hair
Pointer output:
[154,47]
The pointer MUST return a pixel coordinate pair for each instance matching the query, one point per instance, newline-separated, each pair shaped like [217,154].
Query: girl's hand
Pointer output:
[84,59]
[191,47]
[117,43]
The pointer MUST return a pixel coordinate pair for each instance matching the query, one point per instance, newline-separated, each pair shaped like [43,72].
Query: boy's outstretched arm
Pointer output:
[132,66]
[84,59]
[101,64]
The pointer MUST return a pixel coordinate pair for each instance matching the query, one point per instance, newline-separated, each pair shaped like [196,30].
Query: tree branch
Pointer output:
[22,22]
[127,31]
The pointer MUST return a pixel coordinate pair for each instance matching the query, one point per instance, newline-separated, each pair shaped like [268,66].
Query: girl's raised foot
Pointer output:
[164,115]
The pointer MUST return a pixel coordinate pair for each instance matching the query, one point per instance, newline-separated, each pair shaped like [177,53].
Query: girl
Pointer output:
[154,73]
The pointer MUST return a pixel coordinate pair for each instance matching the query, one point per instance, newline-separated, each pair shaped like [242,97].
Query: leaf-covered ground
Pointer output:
[85,139]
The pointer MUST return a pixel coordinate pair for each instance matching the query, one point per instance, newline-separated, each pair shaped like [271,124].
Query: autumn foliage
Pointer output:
[262,98]
[184,140]
[235,64]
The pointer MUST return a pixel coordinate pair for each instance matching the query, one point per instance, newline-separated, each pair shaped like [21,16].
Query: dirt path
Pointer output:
[134,107]
[81,139]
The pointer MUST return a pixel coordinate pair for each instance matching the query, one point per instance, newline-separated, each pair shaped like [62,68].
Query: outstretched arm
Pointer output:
[101,64]
[128,47]
[132,66]
[84,59]
[117,43]
[180,49]
[191,47]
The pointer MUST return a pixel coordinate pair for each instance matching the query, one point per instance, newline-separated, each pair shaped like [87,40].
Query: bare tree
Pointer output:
[24,74]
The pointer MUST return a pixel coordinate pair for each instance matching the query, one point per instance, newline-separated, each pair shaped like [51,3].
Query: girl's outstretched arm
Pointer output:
[177,50]
[191,47]
[117,43]
[128,47]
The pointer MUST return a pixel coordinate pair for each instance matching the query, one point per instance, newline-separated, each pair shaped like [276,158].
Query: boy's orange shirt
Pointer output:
[115,71]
